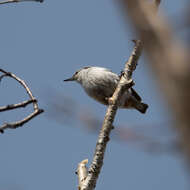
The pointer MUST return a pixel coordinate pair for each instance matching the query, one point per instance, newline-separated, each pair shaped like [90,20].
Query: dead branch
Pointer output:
[20,123]
[82,172]
[125,83]
[14,106]
[18,1]
[32,100]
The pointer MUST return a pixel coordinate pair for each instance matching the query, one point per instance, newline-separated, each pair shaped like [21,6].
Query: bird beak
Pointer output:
[69,79]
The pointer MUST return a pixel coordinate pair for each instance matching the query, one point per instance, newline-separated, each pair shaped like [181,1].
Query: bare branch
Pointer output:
[125,83]
[130,66]
[82,172]
[20,123]
[32,100]
[17,1]
[8,74]
[14,106]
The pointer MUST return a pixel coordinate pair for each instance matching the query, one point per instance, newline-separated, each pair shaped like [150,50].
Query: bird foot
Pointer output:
[110,101]
[122,73]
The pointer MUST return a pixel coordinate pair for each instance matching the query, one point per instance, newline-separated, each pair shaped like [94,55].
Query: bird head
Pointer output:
[77,76]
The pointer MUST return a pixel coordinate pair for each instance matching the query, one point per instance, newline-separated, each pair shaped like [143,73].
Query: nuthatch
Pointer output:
[100,84]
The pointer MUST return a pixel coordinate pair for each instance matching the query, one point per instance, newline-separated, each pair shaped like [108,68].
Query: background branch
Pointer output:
[14,106]
[169,59]
[32,100]
[17,1]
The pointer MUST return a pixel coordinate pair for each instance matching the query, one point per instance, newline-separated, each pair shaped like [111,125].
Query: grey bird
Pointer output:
[100,84]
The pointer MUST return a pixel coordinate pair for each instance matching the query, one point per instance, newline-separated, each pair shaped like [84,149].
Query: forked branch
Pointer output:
[31,100]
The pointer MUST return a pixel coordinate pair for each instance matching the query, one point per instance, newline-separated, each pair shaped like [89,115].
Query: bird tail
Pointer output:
[141,107]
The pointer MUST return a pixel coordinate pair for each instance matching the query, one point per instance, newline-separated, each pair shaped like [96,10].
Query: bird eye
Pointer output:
[86,67]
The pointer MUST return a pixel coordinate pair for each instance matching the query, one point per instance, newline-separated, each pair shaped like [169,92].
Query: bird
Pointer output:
[100,83]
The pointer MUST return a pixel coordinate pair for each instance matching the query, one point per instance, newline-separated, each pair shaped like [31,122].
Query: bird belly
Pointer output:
[100,94]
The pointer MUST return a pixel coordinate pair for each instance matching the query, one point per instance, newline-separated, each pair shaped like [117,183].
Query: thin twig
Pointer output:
[125,83]
[23,84]
[17,1]
[32,100]
[20,123]
[14,106]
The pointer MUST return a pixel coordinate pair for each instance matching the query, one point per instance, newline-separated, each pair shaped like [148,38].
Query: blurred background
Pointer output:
[46,43]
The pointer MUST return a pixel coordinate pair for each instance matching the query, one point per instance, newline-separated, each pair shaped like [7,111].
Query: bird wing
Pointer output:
[105,80]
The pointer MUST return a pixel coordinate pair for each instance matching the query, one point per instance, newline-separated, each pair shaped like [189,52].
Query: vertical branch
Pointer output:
[132,62]
[125,83]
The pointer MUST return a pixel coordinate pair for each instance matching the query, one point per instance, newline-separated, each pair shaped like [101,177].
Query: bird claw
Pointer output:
[110,101]
[122,73]
[130,83]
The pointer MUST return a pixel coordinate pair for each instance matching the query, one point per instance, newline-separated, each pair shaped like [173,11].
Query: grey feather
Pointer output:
[100,84]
